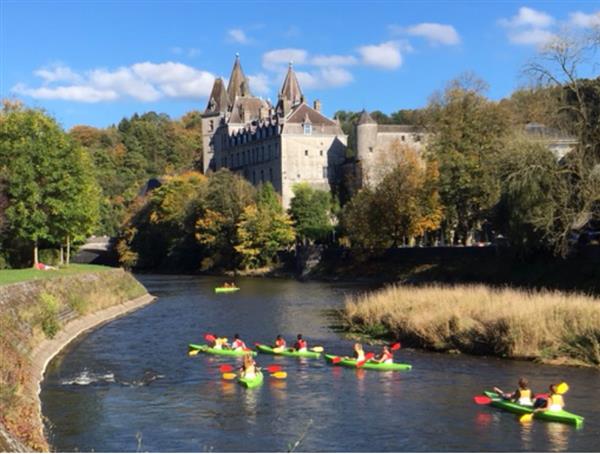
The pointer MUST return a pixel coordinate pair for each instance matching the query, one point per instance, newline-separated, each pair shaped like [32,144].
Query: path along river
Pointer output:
[130,385]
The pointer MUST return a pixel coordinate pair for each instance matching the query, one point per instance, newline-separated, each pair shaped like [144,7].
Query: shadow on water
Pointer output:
[130,385]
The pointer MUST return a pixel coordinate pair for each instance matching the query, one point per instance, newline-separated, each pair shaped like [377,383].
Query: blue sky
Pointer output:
[94,62]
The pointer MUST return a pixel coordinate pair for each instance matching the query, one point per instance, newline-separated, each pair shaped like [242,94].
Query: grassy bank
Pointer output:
[34,310]
[28,274]
[546,326]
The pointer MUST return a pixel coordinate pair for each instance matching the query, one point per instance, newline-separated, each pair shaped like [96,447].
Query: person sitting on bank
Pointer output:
[238,344]
[300,345]
[279,343]
[554,402]
[249,368]
[385,357]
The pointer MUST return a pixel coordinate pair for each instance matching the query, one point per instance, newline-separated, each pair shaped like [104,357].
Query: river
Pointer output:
[130,385]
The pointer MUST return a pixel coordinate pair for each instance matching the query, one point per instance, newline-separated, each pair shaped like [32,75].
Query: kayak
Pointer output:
[548,415]
[226,289]
[370,364]
[287,352]
[219,351]
[252,382]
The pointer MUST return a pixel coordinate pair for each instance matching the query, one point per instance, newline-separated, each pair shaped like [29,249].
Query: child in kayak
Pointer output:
[248,367]
[523,395]
[238,344]
[300,345]
[554,402]
[385,357]
[220,343]
[359,353]
[279,343]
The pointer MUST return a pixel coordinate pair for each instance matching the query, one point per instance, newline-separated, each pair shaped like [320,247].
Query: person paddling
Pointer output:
[238,344]
[523,395]
[554,402]
[359,353]
[385,357]
[249,368]
[300,345]
[279,343]
[219,343]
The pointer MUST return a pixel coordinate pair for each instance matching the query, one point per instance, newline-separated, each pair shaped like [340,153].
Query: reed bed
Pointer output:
[547,326]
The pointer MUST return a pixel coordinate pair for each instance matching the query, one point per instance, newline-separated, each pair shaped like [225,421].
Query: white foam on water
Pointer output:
[86,378]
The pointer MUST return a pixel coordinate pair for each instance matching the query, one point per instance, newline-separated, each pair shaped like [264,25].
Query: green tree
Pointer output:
[468,133]
[311,210]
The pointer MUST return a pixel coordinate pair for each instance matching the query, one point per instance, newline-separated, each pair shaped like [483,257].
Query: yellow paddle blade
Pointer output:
[278,349]
[193,352]
[317,349]
[562,388]
[279,374]
[229,376]
[527,417]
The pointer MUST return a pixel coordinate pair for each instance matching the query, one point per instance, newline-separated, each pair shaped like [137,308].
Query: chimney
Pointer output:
[317,105]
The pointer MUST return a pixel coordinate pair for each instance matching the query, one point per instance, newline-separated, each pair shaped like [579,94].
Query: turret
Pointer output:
[366,137]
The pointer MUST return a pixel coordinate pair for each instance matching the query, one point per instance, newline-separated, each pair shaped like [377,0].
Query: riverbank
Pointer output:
[545,326]
[40,317]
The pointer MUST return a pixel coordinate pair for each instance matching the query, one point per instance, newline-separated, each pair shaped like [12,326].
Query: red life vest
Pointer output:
[279,343]
[300,344]
[238,343]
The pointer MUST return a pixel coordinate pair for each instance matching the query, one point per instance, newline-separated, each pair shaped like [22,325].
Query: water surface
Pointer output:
[130,385]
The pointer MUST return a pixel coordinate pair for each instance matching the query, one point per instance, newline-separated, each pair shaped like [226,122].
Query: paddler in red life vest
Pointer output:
[238,344]
[279,343]
[385,357]
[300,345]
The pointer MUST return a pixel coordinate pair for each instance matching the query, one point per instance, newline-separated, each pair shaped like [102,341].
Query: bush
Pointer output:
[49,256]
[49,315]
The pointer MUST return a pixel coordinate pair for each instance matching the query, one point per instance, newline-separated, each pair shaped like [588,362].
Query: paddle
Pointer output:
[229,368]
[210,337]
[527,417]
[193,352]
[482,400]
[280,374]
[229,376]
[317,349]
[395,346]
[368,356]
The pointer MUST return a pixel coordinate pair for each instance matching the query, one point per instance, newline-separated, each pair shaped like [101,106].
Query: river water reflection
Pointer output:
[130,386]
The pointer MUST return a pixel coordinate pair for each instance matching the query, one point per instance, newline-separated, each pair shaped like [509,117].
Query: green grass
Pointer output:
[28,274]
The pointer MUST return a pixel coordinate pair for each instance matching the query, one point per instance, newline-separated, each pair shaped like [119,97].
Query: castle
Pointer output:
[290,142]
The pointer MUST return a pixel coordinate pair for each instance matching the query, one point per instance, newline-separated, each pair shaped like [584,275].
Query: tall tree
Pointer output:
[312,212]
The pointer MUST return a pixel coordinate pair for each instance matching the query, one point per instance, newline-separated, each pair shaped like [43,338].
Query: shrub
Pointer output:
[49,315]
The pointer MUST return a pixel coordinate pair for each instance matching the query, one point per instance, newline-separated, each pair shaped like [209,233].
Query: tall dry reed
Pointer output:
[542,325]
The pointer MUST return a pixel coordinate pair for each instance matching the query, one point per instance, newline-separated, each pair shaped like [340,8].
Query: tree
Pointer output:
[311,211]
[558,65]
[468,132]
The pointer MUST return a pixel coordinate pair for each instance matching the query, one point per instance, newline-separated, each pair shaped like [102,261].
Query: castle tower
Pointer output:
[366,136]
[216,109]
[238,84]
[290,94]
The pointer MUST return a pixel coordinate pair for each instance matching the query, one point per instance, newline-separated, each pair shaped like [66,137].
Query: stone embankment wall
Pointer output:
[37,319]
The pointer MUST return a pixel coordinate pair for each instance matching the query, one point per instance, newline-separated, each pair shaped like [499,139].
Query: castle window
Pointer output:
[269,151]
[307,129]
[417,138]
[254,176]
[370,149]
[320,152]
[262,176]
[305,152]
[325,172]
[212,125]
[270,174]
[403,138]
[262,152]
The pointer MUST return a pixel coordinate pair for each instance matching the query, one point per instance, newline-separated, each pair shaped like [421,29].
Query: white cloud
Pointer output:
[260,83]
[534,36]
[275,59]
[333,60]
[57,73]
[191,52]
[237,35]
[579,19]
[385,55]
[528,17]
[143,81]
[435,33]
[529,27]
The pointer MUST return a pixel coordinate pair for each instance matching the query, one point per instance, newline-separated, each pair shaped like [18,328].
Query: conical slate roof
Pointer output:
[290,89]
[365,118]
[238,84]
[218,101]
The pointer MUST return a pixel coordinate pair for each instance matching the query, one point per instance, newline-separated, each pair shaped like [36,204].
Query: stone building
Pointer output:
[285,144]
[376,145]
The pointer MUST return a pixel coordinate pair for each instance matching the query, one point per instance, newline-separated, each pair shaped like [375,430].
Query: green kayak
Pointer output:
[252,382]
[548,415]
[370,364]
[219,351]
[226,289]
[287,352]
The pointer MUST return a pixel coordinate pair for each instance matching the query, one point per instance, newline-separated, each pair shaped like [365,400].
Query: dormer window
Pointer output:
[307,129]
